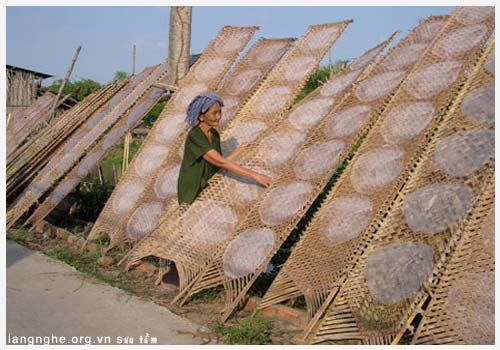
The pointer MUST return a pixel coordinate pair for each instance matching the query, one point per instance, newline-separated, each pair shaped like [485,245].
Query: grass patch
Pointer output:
[18,235]
[87,263]
[255,330]
[116,155]
[205,296]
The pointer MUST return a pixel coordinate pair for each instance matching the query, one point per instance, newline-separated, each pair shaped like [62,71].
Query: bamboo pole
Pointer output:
[68,73]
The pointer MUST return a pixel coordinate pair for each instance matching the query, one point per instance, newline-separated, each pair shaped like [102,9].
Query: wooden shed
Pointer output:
[22,87]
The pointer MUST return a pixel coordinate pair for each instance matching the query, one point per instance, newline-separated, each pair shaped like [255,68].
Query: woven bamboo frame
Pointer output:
[126,123]
[30,157]
[213,275]
[306,271]
[24,123]
[470,258]
[356,312]
[224,185]
[80,141]
[316,267]
[108,221]
[230,93]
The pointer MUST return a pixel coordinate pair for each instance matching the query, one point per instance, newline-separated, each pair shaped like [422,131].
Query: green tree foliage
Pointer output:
[120,76]
[79,89]
[319,76]
[153,114]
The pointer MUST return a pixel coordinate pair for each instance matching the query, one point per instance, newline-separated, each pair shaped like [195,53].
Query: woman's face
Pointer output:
[212,116]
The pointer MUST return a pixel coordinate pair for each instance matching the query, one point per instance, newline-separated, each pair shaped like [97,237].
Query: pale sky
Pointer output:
[44,38]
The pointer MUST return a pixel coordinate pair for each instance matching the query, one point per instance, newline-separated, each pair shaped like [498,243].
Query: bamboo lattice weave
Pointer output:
[309,46]
[240,195]
[79,142]
[126,123]
[162,189]
[412,244]
[206,74]
[462,310]
[25,122]
[25,161]
[310,271]
[368,185]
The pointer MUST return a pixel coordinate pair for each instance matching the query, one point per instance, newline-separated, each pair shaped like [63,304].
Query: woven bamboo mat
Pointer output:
[161,190]
[205,74]
[76,146]
[411,244]
[25,122]
[366,188]
[314,107]
[307,271]
[34,154]
[127,121]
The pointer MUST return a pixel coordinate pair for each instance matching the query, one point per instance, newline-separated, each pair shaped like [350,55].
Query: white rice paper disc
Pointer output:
[244,190]
[308,114]
[427,31]
[346,122]
[314,160]
[242,82]
[377,168]
[338,83]
[182,98]
[125,199]
[231,42]
[209,69]
[433,208]
[278,147]
[268,53]
[345,218]
[404,57]
[144,220]
[320,38]
[208,221]
[271,100]
[150,159]
[298,67]
[231,105]
[479,105]
[429,81]
[242,132]
[465,152]
[475,14]
[406,121]
[470,305]
[378,85]
[247,252]
[166,182]
[365,58]
[169,127]
[459,41]
[396,271]
[283,201]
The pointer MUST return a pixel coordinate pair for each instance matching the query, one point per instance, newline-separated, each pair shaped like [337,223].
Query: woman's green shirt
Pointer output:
[196,171]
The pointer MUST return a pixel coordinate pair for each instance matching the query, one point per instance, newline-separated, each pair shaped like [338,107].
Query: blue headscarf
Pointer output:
[201,104]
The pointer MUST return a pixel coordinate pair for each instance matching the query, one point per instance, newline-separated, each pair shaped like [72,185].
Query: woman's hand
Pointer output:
[262,179]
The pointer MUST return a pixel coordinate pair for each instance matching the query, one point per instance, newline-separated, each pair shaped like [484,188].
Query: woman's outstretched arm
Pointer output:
[215,158]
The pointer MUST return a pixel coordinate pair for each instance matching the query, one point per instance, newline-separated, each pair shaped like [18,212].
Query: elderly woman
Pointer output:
[202,150]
